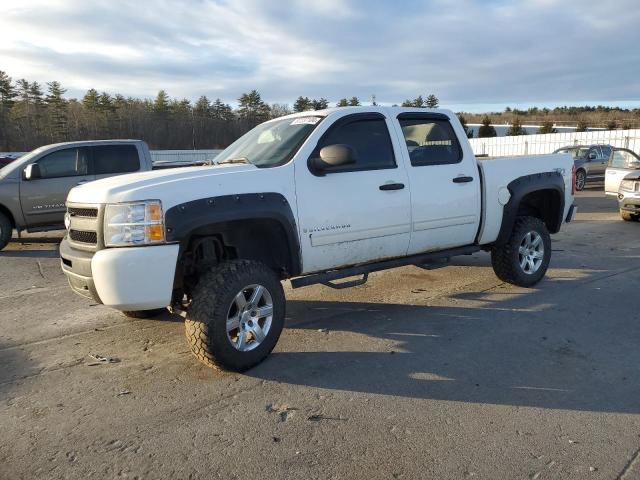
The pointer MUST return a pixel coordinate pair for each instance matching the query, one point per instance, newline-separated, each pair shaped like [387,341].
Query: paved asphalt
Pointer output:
[418,374]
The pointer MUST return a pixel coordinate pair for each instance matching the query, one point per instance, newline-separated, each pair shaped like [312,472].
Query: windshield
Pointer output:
[270,144]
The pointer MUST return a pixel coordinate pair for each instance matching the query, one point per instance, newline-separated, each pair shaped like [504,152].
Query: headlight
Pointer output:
[137,223]
[628,185]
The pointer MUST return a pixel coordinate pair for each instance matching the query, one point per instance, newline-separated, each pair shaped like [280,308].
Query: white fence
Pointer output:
[547,143]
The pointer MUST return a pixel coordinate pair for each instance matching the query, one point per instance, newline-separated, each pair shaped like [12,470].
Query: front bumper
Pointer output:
[629,202]
[132,278]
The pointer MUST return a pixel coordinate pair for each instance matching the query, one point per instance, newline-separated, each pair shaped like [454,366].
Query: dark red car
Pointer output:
[4,161]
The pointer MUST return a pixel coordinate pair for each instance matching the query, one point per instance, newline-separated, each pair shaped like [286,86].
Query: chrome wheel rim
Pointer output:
[580,180]
[249,317]
[531,253]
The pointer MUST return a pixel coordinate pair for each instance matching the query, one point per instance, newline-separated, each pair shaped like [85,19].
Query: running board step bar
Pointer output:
[433,258]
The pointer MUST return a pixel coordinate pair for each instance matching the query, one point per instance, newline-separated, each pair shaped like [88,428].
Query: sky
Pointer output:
[474,55]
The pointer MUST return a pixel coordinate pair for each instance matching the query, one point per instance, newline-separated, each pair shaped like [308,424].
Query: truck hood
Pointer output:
[175,184]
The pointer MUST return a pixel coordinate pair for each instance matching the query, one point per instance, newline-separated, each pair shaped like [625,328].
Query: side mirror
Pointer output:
[592,156]
[332,156]
[32,171]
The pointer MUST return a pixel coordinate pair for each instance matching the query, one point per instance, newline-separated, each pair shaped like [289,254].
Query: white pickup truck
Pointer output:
[314,197]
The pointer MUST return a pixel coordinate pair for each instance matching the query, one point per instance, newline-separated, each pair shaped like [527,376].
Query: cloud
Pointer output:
[465,51]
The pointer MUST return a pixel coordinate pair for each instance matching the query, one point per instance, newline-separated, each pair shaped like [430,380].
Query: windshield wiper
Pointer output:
[234,160]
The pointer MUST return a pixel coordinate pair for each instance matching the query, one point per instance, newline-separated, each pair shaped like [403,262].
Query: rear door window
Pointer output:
[430,141]
[108,159]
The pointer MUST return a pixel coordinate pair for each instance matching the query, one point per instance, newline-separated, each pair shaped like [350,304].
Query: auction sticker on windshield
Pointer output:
[305,120]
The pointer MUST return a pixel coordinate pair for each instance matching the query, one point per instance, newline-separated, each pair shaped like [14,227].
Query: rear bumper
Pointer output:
[136,278]
[573,210]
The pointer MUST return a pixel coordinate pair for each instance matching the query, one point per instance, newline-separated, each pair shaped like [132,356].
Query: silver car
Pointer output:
[622,162]
[590,161]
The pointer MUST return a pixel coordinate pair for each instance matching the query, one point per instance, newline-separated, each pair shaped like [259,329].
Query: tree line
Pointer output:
[32,115]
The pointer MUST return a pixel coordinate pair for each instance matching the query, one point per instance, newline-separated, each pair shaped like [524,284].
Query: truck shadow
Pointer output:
[533,350]
[15,367]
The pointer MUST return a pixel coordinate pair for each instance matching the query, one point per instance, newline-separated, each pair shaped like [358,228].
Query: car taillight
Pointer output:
[573,180]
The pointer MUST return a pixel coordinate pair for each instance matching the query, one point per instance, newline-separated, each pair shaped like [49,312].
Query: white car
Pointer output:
[313,197]
[621,163]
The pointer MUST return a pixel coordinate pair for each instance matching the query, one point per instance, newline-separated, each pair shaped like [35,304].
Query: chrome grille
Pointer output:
[84,226]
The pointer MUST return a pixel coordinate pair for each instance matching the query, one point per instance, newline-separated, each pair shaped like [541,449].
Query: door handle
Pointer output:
[392,186]
[82,182]
[462,179]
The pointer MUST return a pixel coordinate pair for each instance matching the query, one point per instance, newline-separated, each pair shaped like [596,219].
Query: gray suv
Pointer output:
[34,188]
[590,161]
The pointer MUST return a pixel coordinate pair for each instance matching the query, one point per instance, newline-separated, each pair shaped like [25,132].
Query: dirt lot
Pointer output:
[418,374]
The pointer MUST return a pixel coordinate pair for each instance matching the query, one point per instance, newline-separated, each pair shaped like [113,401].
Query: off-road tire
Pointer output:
[205,324]
[628,216]
[144,313]
[504,258]
[581,179]
[5,230]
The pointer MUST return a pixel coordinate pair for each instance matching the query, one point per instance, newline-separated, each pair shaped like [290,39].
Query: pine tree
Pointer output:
[161,103]
[486,130]
[252,108]
[57,112]
[516,128]
[221,111]
[302,104]
[547,127]
[354,102]
[432,101]
[91,100]
[467,130]
[7,96]
[320,104]
[343,102]
[7,91]
[582,126]
[202,108]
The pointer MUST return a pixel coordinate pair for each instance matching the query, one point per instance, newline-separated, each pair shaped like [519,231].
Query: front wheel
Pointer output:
[523,260]
[236,315]
[5,230]
[581,179]
[629,217]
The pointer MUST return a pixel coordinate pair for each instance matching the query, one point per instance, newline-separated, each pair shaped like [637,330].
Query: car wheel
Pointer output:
[629,217]
[581,179]
[5,230]
[236,315]
[523,260]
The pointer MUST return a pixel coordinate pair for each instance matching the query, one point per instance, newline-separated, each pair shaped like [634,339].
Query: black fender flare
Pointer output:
[523,186]
[183,219]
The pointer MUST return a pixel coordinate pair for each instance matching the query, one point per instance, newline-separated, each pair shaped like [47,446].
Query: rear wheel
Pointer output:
[628,216]
[523,260]
[236,315]
[581,179]
[5,230]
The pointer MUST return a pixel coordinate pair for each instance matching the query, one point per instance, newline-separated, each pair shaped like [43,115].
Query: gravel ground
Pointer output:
[417,374]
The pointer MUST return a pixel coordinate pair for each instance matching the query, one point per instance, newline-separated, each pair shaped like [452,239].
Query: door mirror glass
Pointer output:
[338,155]
[32,171]
[332,156]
